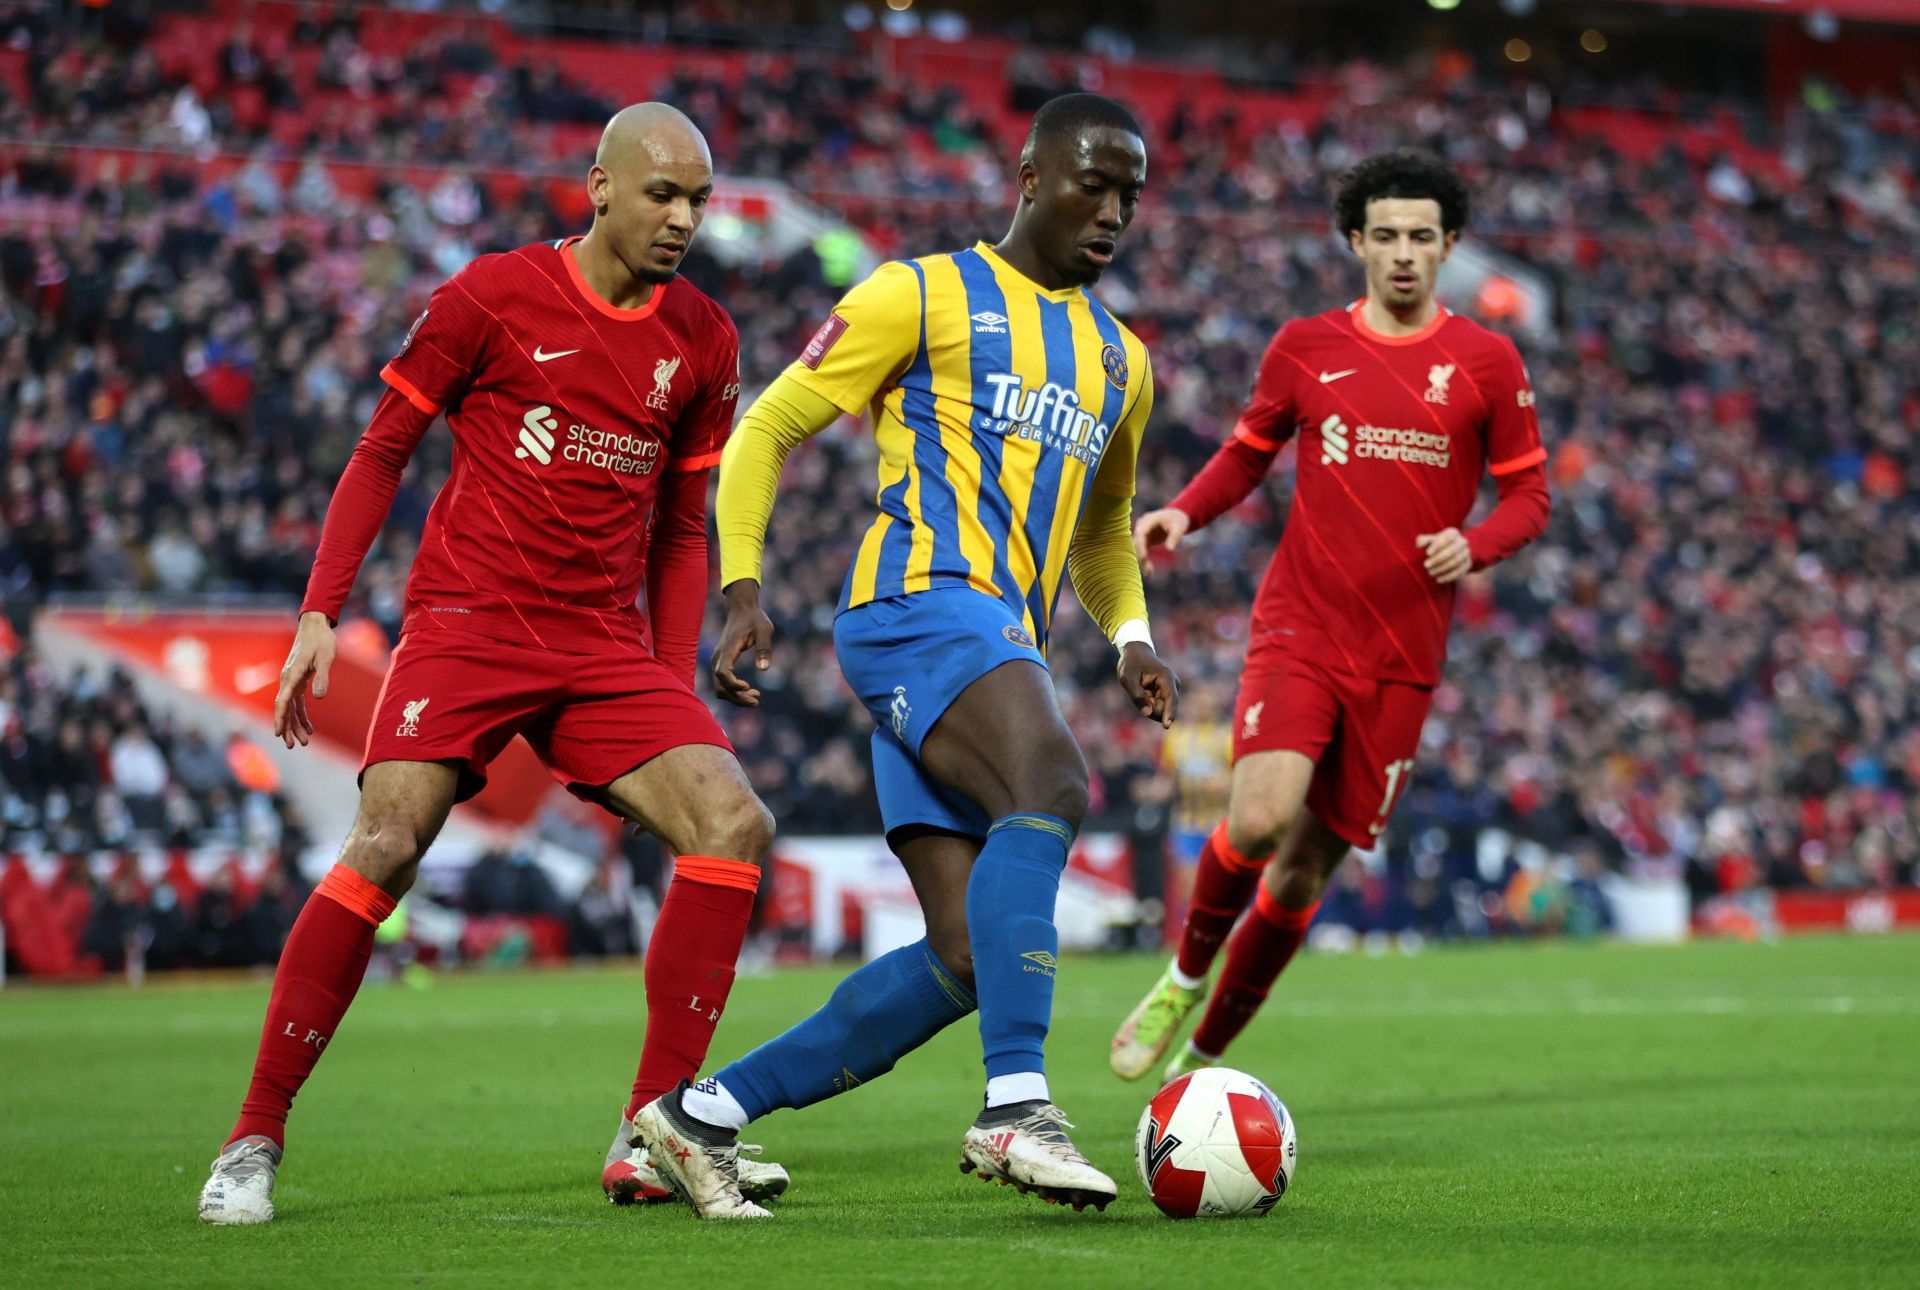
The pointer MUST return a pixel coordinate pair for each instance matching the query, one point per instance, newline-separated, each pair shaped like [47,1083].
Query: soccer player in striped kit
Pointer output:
[1399,408]
[1008,406]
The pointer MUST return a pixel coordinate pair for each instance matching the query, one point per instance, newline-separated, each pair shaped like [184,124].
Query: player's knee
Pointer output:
[1056,787]
[1256,828]
[386,851]
[1071,799]
[955,953]
[740,829]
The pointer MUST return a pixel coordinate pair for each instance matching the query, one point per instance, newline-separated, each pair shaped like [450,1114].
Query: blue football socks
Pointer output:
[1010,900]
[878,1015]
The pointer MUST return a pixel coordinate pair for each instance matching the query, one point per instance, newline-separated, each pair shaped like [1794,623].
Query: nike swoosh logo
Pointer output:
[1328,378]
[541,355]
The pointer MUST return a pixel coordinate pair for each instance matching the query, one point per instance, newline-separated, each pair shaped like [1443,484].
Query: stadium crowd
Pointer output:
[1710,664]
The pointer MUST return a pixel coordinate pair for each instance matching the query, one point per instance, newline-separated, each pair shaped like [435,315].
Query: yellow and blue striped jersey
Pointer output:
[998,406]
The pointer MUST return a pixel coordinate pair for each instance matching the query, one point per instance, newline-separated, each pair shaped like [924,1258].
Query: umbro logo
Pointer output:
[541,355]
[989,322]
[536,435]
[1042,961]
[1328,378]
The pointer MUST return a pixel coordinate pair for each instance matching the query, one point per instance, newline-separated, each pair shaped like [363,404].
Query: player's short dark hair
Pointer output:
[1404,172]
[1062,119]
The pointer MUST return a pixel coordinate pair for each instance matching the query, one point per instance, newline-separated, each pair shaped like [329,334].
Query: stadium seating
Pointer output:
[1710,666]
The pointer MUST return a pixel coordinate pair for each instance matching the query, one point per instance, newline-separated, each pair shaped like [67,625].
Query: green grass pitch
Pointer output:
[1722,1115]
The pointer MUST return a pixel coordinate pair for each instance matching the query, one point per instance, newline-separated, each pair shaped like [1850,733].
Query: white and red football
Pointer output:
[1215,1143]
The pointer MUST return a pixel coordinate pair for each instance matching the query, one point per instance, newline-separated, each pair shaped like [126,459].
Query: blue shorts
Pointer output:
[909,658]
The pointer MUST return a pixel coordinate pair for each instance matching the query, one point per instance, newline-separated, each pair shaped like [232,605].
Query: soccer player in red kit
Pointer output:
[589,392]
[1398,407]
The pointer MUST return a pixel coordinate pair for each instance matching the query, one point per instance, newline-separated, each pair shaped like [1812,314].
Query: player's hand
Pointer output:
[310,659]
[1449,558]
[1162,528]
[1149,682]
[747,628]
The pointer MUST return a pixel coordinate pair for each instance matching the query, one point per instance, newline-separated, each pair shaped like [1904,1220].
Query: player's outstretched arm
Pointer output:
[1237,468]
[783,417]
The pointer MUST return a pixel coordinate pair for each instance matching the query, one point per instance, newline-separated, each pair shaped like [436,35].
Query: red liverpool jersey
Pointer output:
[1394,434]
[566,414]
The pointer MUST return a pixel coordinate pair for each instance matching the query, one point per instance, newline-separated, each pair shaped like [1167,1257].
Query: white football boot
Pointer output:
[240,1189]
[629,1178]
[697,1161]
[1025,1145]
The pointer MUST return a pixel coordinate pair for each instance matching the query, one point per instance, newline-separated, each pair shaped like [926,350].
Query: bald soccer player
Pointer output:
[589,392]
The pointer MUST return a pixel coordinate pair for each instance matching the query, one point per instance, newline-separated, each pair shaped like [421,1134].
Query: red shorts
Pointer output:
[1361,734]
[451,696]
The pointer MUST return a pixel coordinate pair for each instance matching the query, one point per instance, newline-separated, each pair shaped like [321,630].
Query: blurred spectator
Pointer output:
[117,927]
[600,923]
[198,765]
[1589,913]
[503,882]
[220,932]
[140,775]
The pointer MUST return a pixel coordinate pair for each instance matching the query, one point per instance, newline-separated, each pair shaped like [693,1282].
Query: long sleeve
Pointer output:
[1106,572]
[677,570]
[785,415]
[1517,519]
[361,500]
[1224,482]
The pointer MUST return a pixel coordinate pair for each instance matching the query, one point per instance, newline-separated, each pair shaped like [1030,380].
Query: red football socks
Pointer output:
[320,972]
[689,968]
[1222,883]
[1258,950]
